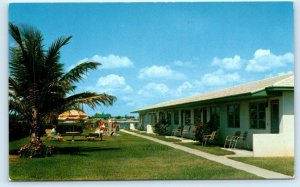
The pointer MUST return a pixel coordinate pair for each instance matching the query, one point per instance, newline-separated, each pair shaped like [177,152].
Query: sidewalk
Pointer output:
[220,159]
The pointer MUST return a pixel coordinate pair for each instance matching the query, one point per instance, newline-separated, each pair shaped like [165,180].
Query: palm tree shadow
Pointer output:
[81,151]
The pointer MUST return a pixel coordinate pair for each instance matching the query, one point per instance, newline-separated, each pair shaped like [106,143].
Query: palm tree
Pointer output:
[39,89]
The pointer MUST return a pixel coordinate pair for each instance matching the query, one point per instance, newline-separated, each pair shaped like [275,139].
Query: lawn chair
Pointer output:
[176,131]
[186,130]
[231,139]
[48,133]
[243,139]
[209,137]
[52,136]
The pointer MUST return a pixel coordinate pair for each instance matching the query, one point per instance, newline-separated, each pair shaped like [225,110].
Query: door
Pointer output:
[275,116]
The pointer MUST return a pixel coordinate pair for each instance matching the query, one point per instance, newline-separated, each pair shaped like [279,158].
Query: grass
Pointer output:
[124,157]
[161,137]
[284,165]
[212,149]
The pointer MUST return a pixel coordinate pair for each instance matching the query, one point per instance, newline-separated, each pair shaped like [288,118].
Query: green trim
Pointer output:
[265,93]
[280,89]
[260,93]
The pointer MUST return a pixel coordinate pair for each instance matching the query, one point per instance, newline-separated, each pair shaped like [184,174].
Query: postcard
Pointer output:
[151,91]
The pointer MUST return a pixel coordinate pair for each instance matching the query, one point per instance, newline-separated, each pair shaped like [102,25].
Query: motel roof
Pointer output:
[258,89]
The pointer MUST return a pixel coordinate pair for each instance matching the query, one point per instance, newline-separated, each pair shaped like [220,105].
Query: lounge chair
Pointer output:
[209,137]
[232,139]
[48,133]
[52,136]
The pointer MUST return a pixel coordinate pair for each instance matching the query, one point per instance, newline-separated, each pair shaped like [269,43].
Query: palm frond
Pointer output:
[77,73]
[53,55]
[91,99]
[16,34]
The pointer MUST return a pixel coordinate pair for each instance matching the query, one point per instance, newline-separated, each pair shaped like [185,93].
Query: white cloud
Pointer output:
[264,61]
[186,86]
[278,74]
[154,89]
[111,80]
[113,83]
[180,63]
[283,73]
[220,77]
[113,61]
[234,63]
[160,72]
[126,98]
[108,62]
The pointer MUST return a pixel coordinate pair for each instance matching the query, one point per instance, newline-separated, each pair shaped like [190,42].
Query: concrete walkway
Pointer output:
[220,159]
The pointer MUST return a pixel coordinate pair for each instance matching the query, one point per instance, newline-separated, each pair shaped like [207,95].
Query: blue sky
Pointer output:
[154,52]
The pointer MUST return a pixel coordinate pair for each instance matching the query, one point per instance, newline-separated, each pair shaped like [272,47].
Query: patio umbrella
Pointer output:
[72,115]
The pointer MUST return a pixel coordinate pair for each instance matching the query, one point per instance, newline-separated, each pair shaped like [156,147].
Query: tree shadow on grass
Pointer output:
[78,151]
[81,151]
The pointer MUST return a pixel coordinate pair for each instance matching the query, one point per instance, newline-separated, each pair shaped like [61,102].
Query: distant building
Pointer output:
[102,116]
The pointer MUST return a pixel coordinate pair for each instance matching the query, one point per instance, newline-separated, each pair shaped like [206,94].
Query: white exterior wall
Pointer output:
[281,144]
[244,124]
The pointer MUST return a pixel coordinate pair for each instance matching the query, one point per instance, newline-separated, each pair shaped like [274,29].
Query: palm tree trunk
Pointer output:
[35,125]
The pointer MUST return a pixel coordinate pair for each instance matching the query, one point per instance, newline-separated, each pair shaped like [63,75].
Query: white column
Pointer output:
[192,116]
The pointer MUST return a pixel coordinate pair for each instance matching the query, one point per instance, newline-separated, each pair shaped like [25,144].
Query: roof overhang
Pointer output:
[265,93]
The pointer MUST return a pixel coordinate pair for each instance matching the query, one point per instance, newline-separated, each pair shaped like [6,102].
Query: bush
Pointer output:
[35,149]
[18,127]
[201,129]
[204,129]
[161,127]
[18,130]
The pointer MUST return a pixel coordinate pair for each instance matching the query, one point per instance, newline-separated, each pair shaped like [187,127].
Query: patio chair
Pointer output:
[186,130]
[52,136]
[243,139]
[231,139]
[48,133]
[209,137]
[176,131]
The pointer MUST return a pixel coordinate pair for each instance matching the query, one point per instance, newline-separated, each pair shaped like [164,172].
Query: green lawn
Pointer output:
[124,157]
[161,137]
[212,149]
[284,165]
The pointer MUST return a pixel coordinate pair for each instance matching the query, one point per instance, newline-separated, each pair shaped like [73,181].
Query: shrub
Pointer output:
[204,129]
[201,129]
[18,127]
[161,127]
[35,149]
[18,130]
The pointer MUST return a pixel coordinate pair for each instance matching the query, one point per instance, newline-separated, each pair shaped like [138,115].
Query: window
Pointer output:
[169,117]
[197,115]
[233,116]
[161,116]
[176,117]
[187,117]
[215,116]
[257,115]
[204,115]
